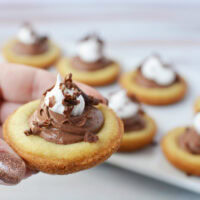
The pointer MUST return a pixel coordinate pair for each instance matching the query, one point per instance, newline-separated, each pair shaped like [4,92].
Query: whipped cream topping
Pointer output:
[122,105]
[58,96]
[153,69]
[26,35]
[196,123]
[90,49]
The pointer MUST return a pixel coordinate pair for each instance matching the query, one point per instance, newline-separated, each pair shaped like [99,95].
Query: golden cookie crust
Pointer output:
[99,77]
[40,61]
[56,158]
[183,160]
[197,105]
[153,96]
[135,140]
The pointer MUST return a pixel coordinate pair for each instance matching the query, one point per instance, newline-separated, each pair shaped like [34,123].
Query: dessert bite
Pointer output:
[154,82]
[139,128]
[31,48]
[64,132]
[181,147]
[90,65]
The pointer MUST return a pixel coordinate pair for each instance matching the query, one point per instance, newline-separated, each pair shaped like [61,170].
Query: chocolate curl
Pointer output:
[48,90]
[52,101]
[93,35]
[28,132]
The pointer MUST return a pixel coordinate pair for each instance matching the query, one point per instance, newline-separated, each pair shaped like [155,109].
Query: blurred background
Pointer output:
[132,30]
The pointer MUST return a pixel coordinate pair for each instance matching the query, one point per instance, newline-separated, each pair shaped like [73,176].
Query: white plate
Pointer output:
[150,161]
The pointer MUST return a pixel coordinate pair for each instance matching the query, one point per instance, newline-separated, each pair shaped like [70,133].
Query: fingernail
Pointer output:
[12,168]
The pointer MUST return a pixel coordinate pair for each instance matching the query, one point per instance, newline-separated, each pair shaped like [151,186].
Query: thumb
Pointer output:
[12,167]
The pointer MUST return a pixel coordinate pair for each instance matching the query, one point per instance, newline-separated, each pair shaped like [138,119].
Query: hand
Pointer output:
[20,84]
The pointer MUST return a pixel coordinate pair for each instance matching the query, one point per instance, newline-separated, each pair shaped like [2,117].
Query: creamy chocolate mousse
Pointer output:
[66,115]
[190,139]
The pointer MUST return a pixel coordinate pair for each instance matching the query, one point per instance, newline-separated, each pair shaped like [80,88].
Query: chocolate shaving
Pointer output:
[41,111]
[71,100]
[28,132]
[91,138]
[90,36]
[48,90]
[52,101]
[47,111]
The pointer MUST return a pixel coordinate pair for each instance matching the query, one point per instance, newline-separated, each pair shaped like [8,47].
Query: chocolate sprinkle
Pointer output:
[52,101]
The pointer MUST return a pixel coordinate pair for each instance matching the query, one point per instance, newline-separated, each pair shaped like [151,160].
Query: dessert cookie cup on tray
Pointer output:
[29,48]
[64,132]
[181,146]
[90,66]
[154,83]
[139,128]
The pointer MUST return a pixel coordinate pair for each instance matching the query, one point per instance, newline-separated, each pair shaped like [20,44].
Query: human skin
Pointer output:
[20,84]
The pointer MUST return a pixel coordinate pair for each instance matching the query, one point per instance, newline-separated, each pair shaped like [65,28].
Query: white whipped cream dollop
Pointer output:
[26,35]
[89,50]
[196,122]
[153,69]
[59,97]
[122,105]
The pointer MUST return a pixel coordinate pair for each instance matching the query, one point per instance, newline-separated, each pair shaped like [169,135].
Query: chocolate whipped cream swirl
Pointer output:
[29,42]
[67,128]
[190,141]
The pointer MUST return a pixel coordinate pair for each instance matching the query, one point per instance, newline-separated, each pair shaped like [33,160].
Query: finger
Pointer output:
[1,132]
[27,83]
[6,109]
[19,83]
[91,91]
[12,167]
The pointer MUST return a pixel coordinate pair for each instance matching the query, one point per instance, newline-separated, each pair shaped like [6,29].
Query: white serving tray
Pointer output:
[151,161]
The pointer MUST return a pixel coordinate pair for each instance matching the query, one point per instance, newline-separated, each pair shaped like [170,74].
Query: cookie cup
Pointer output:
[135,140]
[43,60]
[181,159]
[98,77]
[52,158]
[153,96]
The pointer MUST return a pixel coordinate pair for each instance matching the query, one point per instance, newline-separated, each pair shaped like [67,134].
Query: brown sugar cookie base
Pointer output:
[153,96]
[183,160]
[138,139]
[99,77]
[43,60]
[61,159]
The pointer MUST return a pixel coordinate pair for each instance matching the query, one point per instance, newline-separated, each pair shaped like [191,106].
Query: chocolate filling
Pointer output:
[135,122]
[77,63]
[141,80]
[39,47]
[67,129]
[190,141]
